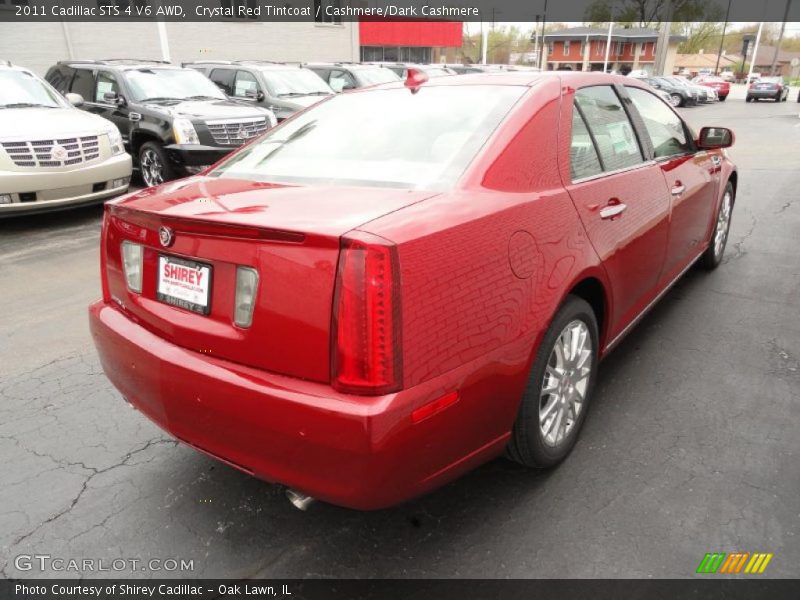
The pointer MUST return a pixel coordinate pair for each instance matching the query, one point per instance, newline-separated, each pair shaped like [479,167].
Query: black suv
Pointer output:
[282,88]
[173,120]
[349,76]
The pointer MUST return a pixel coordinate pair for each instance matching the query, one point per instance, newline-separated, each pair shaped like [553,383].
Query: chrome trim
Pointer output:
[646,309]
[641,165]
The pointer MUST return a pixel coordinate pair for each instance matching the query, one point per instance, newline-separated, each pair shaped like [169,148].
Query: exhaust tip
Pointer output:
[299,500]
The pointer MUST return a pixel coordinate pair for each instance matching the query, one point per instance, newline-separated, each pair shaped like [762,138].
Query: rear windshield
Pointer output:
[382,137]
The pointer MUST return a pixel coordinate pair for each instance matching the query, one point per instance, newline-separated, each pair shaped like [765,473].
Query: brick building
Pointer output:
[584,49]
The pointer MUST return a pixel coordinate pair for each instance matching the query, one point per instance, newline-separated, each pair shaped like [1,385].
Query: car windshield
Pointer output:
[770,80]
[295,82]
[170,84]
[382,138]
[22,89]
[376,75]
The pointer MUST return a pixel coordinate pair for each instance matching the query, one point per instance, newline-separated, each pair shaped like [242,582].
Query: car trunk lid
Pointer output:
[289,234]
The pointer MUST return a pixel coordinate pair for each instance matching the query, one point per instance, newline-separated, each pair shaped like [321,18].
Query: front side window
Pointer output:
[665,128]
[171,84]
[246,85]
[610,126]
[381,138]
[106,82]
[21,89]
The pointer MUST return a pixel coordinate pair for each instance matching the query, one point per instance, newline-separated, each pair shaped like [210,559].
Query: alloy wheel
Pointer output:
[675,100]
[565,383]
[723,225]
[152,168]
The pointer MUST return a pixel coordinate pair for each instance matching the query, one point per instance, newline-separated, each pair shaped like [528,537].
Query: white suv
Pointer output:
[53,156]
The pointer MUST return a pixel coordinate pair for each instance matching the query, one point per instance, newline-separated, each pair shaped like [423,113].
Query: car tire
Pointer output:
[723,98]
[154,165]
[548,422]
[712,257]
[748,99]
[676,100]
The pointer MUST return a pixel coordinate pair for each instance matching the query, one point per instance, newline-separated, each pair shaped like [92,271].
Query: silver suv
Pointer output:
[53,156]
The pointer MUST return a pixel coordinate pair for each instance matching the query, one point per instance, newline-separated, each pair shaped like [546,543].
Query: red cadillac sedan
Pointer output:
[403,282]
[722,87]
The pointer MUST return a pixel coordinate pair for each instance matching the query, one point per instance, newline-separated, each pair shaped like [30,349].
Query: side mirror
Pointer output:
[74,99]
[113,98]
[257,95]
[712,138]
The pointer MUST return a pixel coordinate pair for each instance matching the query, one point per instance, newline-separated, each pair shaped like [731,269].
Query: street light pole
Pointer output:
[608,44]
[780,38]
[722,41]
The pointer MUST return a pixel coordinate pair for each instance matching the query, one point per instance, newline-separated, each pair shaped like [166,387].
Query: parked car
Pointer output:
[728,76]
[282,88]
[771,88]
[702,93]
[53,156]
[350,76]
[678,95]
[399,287]
[722,87]
[173,121]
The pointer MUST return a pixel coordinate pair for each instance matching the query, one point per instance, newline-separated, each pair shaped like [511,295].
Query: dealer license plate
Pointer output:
[184,283]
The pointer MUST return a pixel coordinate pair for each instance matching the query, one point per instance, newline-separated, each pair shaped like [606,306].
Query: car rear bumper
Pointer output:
[40,190]
[359,452]
[763,93]
[193,155]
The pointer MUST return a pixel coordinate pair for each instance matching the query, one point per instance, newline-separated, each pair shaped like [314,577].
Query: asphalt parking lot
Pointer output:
[692,444]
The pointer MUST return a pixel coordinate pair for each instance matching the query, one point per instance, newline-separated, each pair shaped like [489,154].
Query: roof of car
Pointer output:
[121,63]
[263,65]
[343,65]
[523,78]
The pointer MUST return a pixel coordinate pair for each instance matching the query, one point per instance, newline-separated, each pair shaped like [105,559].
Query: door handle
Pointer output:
[678,188]
[612,210]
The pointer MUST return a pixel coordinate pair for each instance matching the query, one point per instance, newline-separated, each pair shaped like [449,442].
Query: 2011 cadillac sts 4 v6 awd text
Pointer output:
[403,282]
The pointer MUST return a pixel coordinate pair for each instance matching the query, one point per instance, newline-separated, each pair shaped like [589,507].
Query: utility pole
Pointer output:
[542,64]
[722,41]
[755,52]
[780,38]
[663,40]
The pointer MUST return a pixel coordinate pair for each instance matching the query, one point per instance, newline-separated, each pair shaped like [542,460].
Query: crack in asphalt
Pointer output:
[94,473]
[738,247]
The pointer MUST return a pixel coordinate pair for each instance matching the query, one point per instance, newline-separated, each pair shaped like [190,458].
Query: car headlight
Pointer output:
[184,132]
[115,141]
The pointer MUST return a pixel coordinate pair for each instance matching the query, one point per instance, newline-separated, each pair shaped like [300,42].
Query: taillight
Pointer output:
[132,265]
[245,297]
[366,346]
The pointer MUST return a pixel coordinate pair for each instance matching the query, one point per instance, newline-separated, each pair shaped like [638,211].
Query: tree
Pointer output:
[700,35]
[650,13]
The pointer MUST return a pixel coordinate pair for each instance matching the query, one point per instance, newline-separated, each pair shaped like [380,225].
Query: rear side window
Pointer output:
[224,79]
[83,84]
[666,130]
[610,126]
[582,152]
